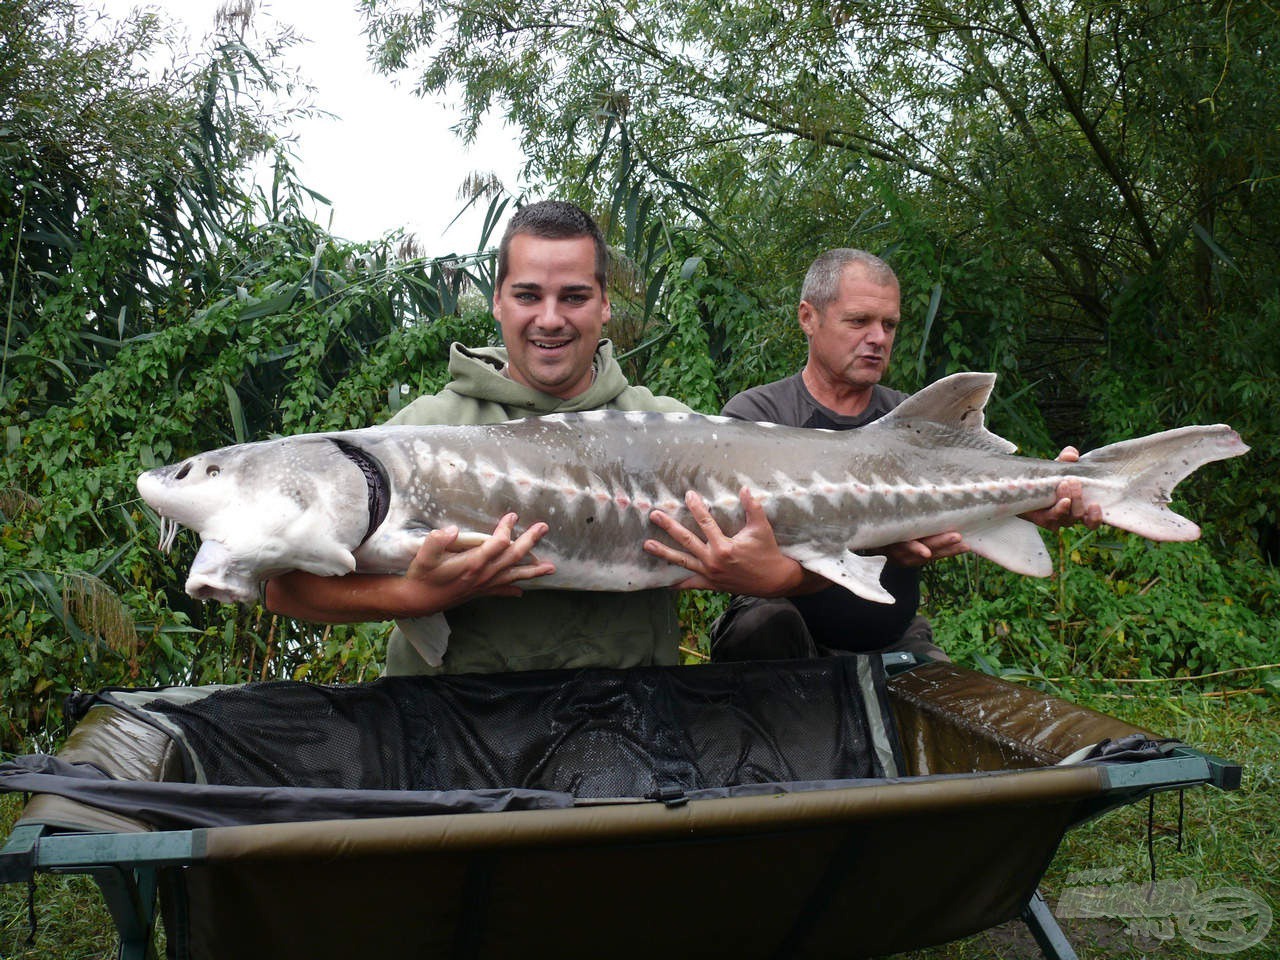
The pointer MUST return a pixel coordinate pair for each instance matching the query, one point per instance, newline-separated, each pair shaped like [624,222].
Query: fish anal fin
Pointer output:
[1013,543]
[857,574]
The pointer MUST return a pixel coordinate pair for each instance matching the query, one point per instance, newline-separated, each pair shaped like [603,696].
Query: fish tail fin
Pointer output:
[1149,468]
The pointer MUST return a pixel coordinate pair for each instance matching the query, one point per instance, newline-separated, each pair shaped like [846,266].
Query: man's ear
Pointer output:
[808,316]
[607,312]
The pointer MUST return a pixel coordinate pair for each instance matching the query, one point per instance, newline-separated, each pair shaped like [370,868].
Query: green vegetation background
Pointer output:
[1081,197]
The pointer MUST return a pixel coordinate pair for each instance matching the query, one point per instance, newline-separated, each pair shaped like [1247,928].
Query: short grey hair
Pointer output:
[822,282]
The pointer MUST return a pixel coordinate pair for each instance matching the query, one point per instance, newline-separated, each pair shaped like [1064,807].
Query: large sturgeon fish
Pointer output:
[333,503]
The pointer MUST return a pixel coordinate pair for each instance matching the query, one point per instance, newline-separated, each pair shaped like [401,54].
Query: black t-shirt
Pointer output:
[838,619]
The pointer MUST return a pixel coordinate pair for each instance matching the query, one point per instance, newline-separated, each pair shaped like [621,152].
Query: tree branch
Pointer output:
[1132,202]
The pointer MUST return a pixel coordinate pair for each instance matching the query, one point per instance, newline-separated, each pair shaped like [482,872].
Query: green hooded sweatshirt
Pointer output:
[543,629]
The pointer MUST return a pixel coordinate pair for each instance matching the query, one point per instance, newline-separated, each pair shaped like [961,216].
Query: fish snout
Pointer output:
[193,469]
[179,490]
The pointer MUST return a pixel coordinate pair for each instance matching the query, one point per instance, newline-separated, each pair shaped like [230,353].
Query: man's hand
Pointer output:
[440,576]
[1070,507]
[750,562]
[450,576]
[916,553]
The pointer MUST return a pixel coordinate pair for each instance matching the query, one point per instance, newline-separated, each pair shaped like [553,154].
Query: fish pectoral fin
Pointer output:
[857,574]
[427,635]
[218,574]
[334,560]
[468,539]
[1013,543]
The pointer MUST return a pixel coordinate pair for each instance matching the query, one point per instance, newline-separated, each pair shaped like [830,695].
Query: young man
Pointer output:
[551,303]
[849,311]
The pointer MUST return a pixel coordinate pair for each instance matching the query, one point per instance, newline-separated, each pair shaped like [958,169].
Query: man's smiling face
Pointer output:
[551,311]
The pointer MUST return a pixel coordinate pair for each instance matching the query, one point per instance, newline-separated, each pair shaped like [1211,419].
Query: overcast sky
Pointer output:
[387,159]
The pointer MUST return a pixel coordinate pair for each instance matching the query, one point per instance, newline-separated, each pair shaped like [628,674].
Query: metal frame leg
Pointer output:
[1044,927]
[130,892]
[130,896]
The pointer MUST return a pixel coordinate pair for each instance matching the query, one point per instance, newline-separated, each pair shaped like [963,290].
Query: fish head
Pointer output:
[261,509]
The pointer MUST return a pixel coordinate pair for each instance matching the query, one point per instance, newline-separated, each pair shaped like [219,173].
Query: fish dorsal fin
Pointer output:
[955,403]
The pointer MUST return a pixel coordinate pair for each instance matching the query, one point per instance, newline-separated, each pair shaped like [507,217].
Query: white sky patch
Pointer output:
[386,159]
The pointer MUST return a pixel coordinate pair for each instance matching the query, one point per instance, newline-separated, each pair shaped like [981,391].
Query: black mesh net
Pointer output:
[591,733]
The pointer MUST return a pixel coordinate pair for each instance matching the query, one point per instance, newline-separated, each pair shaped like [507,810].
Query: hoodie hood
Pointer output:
[478,372]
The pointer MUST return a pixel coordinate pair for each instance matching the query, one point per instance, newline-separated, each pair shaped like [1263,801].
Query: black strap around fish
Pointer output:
[375,475]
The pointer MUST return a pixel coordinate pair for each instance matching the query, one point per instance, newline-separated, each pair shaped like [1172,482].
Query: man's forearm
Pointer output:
[354,598]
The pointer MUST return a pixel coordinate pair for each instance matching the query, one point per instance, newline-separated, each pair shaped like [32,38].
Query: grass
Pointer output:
[1229,839]
[72,923]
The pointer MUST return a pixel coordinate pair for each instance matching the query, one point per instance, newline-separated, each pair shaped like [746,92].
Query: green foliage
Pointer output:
[698,611]
[305,333]
[114,185]
[1118,607]
[717,340]
[163,330]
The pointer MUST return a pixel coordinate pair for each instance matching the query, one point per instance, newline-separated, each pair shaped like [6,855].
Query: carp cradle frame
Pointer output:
[953,841]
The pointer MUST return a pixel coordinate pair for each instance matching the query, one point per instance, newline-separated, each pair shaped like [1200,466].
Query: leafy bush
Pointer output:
[1118,606]
[129,345]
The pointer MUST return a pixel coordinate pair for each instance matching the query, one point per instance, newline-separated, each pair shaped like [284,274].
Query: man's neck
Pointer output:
[839,397]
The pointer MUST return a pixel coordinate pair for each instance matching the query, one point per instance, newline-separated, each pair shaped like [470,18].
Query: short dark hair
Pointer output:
[553,220]
[822,282]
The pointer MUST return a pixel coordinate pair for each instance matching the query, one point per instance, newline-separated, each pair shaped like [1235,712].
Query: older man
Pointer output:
[850,310]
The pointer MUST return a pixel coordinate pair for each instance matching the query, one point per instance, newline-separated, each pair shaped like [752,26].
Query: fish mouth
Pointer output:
[158,491]
[153,488]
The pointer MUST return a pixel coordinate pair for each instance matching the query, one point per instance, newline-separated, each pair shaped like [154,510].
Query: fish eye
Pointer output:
[214,470]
